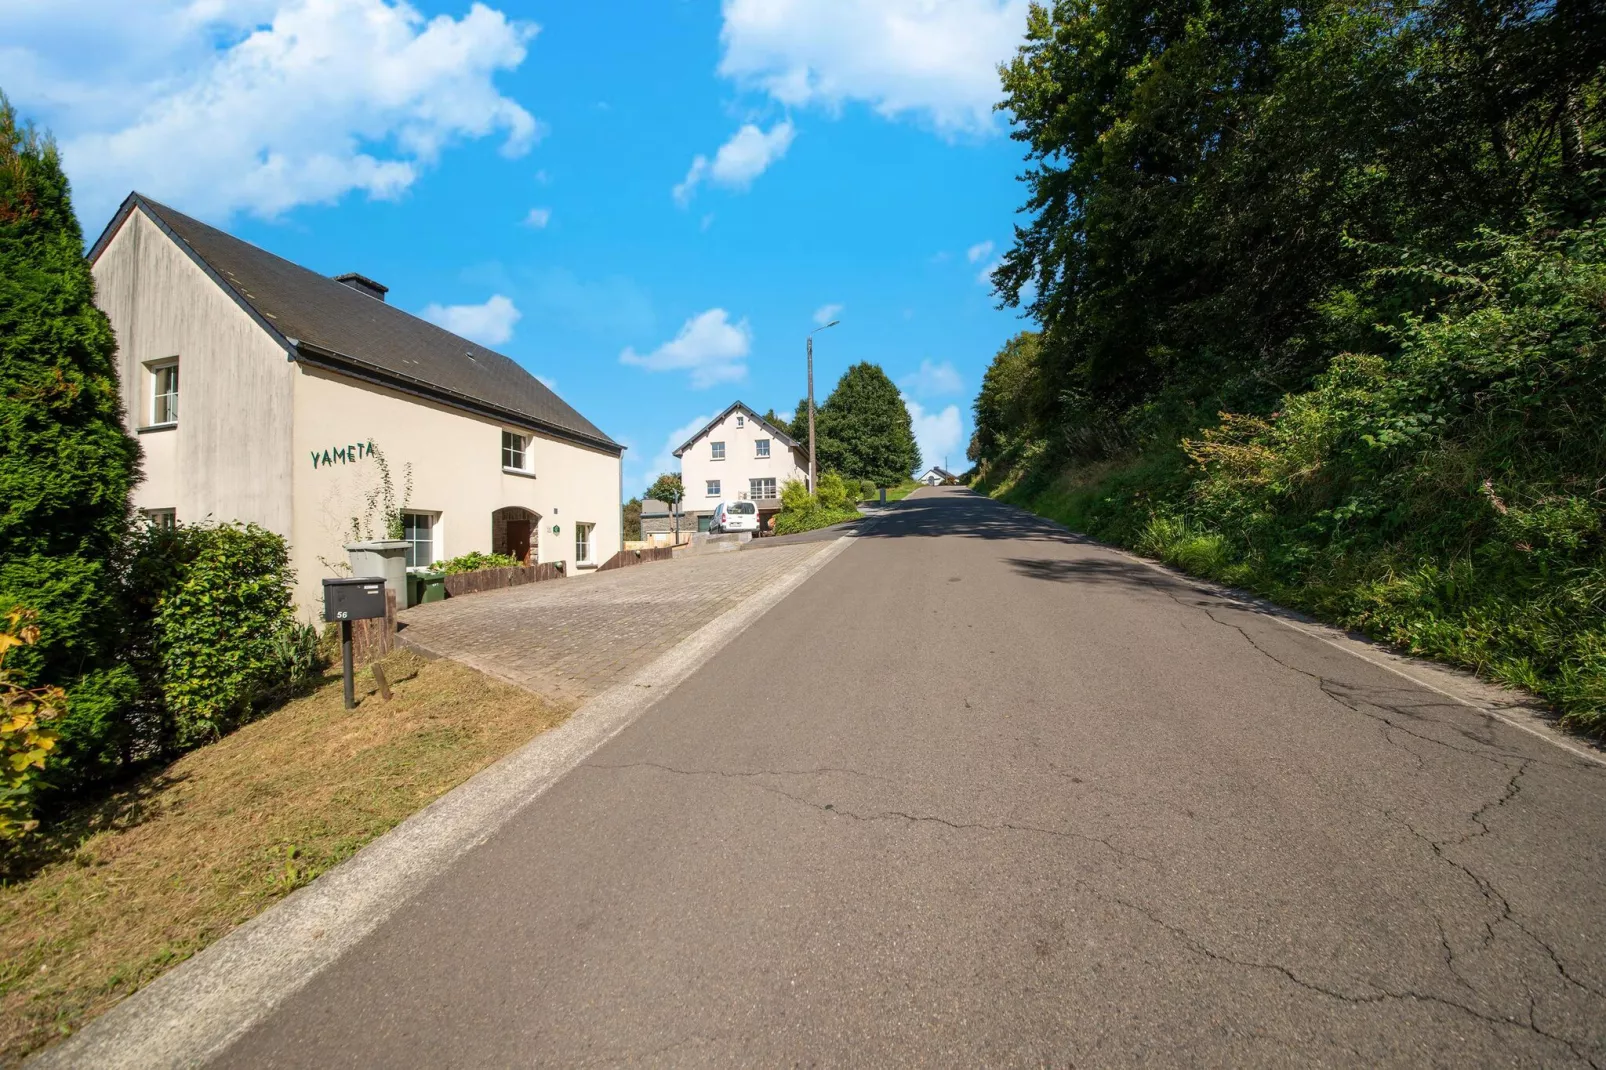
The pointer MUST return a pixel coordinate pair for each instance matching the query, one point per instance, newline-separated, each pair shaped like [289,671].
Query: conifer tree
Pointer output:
[67,465]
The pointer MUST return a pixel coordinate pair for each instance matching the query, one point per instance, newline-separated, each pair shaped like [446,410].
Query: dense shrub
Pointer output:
[216,637]
[475,561]
[802,511]
[66,462]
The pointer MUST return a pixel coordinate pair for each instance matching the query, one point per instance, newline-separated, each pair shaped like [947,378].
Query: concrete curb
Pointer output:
[192,1013]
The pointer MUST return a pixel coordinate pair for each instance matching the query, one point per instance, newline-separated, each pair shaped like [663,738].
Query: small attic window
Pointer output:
[741,421]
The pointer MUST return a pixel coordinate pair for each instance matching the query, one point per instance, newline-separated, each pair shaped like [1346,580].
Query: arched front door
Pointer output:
[516,531]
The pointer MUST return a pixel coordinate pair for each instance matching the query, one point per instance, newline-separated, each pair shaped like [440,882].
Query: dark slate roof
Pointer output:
[771,428]
[323,322]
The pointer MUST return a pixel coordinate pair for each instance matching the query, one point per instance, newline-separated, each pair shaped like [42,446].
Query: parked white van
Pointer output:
[734,516]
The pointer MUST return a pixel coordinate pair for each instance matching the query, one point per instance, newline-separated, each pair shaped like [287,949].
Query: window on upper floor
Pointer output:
[713,488]
[741,421]
[164,393]
[718,450]
[160,518]
[515,452]
[761,447]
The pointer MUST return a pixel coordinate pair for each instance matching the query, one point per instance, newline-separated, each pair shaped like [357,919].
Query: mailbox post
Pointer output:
[346,599]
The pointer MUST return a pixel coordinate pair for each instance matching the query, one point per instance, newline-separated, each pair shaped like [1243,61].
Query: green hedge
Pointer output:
[215,638]
[475,561]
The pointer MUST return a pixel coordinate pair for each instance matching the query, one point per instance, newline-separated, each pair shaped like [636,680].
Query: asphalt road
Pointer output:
[980,793]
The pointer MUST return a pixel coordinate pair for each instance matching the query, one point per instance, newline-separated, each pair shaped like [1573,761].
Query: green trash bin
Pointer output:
[432,586]
[414,589]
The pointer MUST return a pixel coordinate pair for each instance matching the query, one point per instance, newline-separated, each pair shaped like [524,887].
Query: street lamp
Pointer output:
[812,333]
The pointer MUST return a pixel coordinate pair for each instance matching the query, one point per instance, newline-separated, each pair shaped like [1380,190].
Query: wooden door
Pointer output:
[518,540]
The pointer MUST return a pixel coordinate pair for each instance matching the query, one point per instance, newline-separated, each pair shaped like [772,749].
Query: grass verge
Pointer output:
[124,888]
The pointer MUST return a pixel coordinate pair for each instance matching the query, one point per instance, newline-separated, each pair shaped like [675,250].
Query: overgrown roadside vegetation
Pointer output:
[124,887]
[1322,296]
[802,511]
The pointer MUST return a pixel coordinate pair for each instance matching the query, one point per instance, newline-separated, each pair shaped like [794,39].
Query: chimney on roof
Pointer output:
[363,285]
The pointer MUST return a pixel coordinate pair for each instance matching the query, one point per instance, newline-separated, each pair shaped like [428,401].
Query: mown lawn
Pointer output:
[127,887]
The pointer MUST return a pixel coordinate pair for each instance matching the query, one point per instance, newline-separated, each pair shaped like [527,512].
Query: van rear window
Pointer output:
[744,507]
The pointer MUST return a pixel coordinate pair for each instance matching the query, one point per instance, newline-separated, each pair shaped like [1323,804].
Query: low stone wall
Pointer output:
[493,579]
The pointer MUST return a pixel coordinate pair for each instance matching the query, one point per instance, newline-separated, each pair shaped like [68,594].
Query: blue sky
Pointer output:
[645,204]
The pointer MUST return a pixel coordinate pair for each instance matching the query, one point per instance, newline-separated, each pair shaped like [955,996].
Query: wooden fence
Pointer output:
[493,579]
[626,558]
[374,638]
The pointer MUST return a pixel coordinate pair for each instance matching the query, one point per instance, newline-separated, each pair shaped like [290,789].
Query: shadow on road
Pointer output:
[953,511]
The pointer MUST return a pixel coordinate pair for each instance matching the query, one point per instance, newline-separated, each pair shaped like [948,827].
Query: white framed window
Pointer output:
[761,488]
[718,449]
[713,488]
[160,518]
[420,531]
[515,452]
[583,543]
[164,393]
[741,421]
[761,447]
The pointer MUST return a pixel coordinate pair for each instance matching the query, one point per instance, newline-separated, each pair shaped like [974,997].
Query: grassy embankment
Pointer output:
[1450,498]
[127,887]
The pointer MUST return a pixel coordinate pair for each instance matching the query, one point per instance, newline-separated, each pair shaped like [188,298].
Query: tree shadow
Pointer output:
[66,823]
[951,511]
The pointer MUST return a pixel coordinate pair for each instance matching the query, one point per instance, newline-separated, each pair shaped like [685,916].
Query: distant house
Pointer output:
[937,477]
[294,385]
[738,456]
[658,522]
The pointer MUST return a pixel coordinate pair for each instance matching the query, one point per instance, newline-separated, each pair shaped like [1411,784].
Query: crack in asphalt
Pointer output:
[1380,995]
[880,815]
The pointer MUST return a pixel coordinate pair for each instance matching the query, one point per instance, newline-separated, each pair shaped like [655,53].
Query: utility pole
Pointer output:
[810,347]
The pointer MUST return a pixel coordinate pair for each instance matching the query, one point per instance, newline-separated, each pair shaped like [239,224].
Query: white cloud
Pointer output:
[709,346]
[935,60]
[933,380]
[489,324]
[826,313]
[538,218]
[548,382]
[937,433]
[743,158]
[979,250]
[641,473]
[985,275]
[259,105]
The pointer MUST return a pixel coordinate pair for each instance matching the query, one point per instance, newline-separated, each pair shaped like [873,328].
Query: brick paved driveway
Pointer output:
[571,639]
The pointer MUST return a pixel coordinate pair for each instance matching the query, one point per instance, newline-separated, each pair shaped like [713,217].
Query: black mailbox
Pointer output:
[354,598]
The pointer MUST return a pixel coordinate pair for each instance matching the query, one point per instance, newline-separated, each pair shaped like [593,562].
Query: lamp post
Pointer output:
[812,333]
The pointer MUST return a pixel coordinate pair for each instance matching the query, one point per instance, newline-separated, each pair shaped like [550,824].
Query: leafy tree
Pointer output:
[632,520]
[863,429]
[66,463]
[668,489]
[799,427]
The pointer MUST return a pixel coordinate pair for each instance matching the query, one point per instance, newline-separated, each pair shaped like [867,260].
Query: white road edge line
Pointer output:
[196,1010]
[1353,647]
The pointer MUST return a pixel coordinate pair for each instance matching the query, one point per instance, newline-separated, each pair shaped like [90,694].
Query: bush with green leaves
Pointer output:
[218,640]
[475,561]
[802,511]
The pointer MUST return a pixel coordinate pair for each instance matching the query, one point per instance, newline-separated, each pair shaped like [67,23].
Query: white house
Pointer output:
[738,456]
[262,391]
[936,477]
